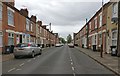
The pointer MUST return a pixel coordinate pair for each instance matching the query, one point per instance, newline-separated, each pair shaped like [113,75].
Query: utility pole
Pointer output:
[87,34]
[118,40]
[101,51]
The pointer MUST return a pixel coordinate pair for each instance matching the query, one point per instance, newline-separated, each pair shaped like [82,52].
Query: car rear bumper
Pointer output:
[71,46]
[21,53]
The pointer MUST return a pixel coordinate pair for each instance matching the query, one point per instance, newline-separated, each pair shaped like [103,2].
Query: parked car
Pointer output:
[27,49]
[58,45]
[71,45]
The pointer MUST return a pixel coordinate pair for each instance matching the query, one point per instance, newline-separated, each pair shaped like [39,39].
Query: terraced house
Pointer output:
[16,27]
[101,29]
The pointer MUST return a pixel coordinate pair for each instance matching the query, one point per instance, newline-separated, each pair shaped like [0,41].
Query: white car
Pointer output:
[28,49]
[57,45]
[71,45]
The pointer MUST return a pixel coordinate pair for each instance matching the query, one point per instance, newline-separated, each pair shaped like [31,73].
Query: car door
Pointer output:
[33,48]
[37,48]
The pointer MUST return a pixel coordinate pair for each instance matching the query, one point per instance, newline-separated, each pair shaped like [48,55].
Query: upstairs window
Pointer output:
[27,24]
[90,27]
[100,19]
[0,12]
[10,17]
[31,27]
[40,30]
[95,22]
[115,10]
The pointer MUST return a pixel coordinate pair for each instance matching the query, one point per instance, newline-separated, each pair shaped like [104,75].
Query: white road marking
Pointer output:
[18,69]
[28,60]
[71,63]
[71,60]
[22,64]
[73,74]
[73,68]
[11,69]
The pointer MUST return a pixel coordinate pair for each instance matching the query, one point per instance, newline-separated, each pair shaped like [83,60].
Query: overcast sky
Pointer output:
[66,16]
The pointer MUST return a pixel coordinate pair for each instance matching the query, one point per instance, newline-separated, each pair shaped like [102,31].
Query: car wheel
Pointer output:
[16,57]
[33,55]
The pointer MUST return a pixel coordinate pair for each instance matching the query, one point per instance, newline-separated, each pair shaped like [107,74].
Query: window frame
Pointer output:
[10,14]
[31,26]
[11,36]
[90,26]
[1,35]
[95,22]
[100,19]
[114,38]
[1,9]
[27,24]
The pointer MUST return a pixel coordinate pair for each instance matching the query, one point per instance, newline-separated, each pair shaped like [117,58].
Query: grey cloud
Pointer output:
[69,13]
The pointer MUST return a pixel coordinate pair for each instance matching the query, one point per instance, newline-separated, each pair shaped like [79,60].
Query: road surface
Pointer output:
[55,60]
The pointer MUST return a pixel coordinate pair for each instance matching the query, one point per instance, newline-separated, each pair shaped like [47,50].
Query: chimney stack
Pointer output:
[44,27]
[33,18]
[11,2]
[24,12]
[39,23]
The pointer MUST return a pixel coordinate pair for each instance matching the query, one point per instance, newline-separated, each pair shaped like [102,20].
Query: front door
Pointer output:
[20,38]
[104,43]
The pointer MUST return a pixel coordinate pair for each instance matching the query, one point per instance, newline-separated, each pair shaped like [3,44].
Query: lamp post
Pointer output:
[87,34]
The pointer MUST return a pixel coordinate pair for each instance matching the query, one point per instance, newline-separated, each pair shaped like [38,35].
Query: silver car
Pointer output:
[28,49]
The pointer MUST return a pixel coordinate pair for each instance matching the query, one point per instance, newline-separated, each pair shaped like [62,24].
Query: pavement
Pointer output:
[108,61]
[6,57]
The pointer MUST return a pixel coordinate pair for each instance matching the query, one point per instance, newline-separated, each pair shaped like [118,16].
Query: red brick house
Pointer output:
[16,27]
[96,28]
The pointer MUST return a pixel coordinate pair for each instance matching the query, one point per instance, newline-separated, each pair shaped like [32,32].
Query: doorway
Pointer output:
[20,38]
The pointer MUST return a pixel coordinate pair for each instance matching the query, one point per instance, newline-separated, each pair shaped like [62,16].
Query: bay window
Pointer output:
[10,38]
[114,38]
[100,39]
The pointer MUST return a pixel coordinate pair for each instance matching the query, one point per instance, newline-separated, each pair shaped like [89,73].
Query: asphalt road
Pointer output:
[57,60]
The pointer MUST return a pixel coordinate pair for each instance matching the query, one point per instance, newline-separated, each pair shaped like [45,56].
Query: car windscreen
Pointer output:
[22,45]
